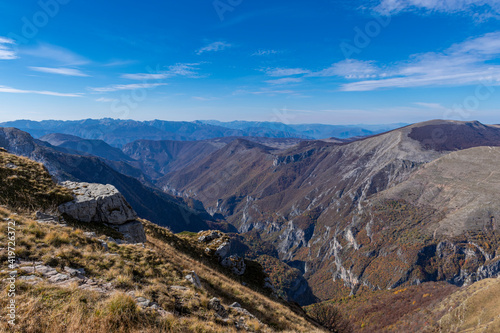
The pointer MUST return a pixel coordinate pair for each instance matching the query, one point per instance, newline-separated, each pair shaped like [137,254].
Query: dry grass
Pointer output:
[26,185]
[148,271]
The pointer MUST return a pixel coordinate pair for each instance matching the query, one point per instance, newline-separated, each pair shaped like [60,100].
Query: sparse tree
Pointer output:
[330,317]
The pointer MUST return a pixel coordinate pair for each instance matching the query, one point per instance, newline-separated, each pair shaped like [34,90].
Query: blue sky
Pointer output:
[336,62]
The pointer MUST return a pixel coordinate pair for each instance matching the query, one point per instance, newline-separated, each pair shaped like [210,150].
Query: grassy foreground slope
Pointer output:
[121,288]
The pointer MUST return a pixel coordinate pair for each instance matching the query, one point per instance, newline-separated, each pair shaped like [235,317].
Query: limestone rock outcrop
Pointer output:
[103,204]
[219,245]
[97,203]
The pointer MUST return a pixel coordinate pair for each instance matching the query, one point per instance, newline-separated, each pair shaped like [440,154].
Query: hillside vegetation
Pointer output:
[27,185]
[122,288]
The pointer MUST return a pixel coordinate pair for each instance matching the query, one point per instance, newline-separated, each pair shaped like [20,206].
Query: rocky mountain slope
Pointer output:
[89,147]
[310,202]
[148,160]
[77,276]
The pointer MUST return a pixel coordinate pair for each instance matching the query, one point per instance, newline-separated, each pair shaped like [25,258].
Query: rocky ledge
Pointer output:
[100,203]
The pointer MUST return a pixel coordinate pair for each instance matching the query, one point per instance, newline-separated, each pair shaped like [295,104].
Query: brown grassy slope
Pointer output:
[26,184]
[472,309]
[402,309]
[149,271]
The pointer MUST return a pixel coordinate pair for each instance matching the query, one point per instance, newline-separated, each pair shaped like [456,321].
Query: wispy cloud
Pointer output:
[56,53]
[351,69]
[214,47]
[265,91]
[261,53]
[181,69]
[479,9]
[60,71]
[204,99]
[106,100]
[431,105]
[286,71]
[145,76]
[117,87]
[118,63]
[462,64]
[5,89]
[285,80]
[6,52]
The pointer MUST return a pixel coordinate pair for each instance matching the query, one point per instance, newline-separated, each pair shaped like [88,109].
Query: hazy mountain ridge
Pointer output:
[117,132]
[120,132]
[315,131]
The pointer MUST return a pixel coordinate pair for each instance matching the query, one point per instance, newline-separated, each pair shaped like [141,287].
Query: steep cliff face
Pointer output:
[318,204]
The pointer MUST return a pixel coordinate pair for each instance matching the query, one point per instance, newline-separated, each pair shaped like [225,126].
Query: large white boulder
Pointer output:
[97,203]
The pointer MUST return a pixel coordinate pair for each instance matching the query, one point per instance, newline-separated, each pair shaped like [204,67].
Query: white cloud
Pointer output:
[286,71]
[265,91]
[285,80]
[6,52]
[56,53]
[117,87]
[462,64]
[145,76]
[5,89]
[431,105]
[261,53]
[351,69]
[106,100]
[189,70]
[60,71]
[205,99]
[479,9]
[180,69]
[214,47]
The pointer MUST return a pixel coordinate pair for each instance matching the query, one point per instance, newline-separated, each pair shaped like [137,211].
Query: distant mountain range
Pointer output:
[312,131]
[120,132]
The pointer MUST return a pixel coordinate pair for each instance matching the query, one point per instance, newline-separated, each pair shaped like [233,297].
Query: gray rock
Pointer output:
[74,272]
[44,270]
[105,246]
[194,279]
[133,232]
[223,250]
[67,283]
[11,166]
[206,238]
[97,203]
[58,278]
[179,288]
[235,305]
[46,218]
[31,279]
[235,263]
[216,305]
[143,302]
